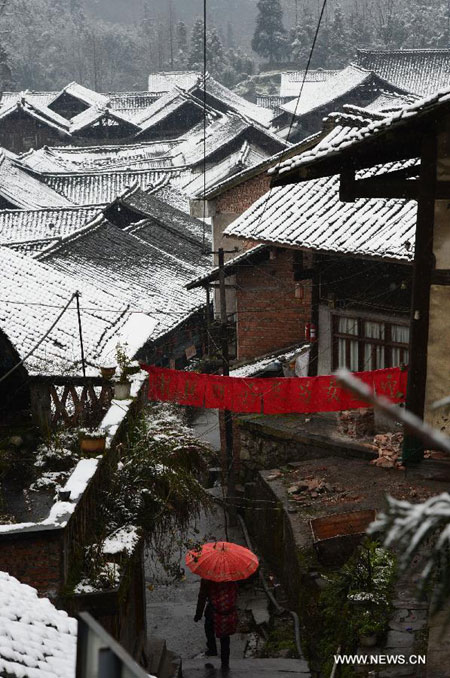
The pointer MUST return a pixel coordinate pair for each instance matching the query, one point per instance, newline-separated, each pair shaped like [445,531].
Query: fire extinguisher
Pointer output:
[310,332]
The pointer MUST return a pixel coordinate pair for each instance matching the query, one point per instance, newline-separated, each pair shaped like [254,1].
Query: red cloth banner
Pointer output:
[270,396]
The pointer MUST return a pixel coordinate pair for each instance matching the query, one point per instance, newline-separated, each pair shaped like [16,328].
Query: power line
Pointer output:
[36,346]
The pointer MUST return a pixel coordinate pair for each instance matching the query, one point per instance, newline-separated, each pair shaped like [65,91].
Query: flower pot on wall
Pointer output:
[369,640]
[107,372]
[94,445]
[122,390]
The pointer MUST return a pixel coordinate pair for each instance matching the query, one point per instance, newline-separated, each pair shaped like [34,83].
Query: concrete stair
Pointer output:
[247,668]
[162,662]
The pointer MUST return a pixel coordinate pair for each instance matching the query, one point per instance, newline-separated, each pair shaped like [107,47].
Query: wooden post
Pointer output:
[40,406]
[226,371]
[421,285]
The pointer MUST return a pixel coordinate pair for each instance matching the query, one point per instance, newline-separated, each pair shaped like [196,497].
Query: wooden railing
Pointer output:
[69,401]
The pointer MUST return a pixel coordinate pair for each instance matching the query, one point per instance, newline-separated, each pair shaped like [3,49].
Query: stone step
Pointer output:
[163,663]
[247,668]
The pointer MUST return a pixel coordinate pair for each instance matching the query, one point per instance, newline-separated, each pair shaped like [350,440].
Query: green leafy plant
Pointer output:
[125,363]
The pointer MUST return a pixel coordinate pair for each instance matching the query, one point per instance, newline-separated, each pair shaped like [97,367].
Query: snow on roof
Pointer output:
[261,365]
[42,225]
[324,93]
[87,96]
[421,71]
[228,129]
[244,157]
[152,207]
[166,105]
[145,155]
[41,113]
[132,270]
[33,295]
[38,98]
[291,81]
[310,215]
[131,104]
[25,191]
[100,188]
[37,640]
[391,101]
[162,82]
[232,101]
[350,137]
[91,116]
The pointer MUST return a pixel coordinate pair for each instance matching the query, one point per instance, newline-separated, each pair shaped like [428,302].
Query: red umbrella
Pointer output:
[222,561]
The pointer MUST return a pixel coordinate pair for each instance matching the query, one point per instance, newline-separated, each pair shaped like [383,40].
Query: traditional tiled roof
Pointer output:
[310,215]
[23,190]
[335,88]
[162,82]
[152,208]
[421,71]
[244,157]
[33,295]
[231,101]
[38,640]
[348,139]
[291,81]
[93,115]
[23,227]
[100,188]
[130,104]
[145,155]
[131,269]
[38,98]
[168,104]
[83,94]
[391,101]
[228,129]
[41,113]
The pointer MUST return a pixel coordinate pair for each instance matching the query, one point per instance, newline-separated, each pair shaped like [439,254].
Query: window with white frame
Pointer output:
[367,344]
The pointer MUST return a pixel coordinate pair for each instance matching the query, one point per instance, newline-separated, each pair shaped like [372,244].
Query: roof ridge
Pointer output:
[92,225]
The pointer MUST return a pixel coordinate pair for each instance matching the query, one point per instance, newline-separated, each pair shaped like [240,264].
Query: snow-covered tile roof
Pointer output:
[167,105]
[37,639]
[162,82]
[40,112]
[311,216]
[421,71]
[150,205]
[347,138]
[25,191]
[244,157]
[94,114]
[320,94]
[133,271]
[99,188]
[391,101]
[33,295]
[228,129]
[130,104]
[291,81]
[38,98]
[84,94]
[145,155]
[231,100]
[47,224]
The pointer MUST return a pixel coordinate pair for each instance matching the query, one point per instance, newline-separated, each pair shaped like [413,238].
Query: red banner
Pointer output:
[272,395]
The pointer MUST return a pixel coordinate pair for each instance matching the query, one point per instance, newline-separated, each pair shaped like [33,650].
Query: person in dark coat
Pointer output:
[221,616]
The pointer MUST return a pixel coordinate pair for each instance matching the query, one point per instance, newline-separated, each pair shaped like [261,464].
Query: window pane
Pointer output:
[348,354]
[400,334]
[374,330]
[354,362]
[400,356]
[348,326]
[373,357]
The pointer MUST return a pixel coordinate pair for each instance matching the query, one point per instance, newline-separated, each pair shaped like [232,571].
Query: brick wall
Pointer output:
[35,558]
[270,316]
[239,198]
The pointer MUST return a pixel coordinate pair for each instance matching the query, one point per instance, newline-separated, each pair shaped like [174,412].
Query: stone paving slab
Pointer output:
[399,639]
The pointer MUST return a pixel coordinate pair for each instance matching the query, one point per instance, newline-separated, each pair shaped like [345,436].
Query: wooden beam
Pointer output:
[421,285]
[385,187]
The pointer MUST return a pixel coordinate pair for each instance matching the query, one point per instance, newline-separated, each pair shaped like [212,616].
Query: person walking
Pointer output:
[217,600]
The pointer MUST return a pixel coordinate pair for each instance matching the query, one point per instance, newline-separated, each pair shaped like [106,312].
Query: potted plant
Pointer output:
[122,386]
[92,441]
[370,629]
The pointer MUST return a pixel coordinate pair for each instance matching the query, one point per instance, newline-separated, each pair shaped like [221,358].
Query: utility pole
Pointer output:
[229,456]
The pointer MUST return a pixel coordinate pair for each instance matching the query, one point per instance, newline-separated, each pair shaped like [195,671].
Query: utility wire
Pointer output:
[36,346]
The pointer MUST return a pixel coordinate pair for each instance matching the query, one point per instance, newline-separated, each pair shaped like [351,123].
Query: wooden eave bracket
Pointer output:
[403,184]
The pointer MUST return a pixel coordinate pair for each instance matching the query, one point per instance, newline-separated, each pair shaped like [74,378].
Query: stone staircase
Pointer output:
[247,668]
[162,663]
